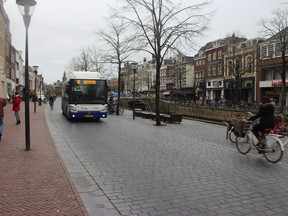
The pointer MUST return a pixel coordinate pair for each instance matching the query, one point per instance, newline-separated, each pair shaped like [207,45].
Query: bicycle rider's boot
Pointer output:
[258,144]
[263,147]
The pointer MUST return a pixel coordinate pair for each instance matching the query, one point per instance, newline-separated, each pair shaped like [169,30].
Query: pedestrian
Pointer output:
[3,103]
[111,104]
[16,107]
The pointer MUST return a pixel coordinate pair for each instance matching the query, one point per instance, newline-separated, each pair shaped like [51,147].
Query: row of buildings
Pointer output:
[12,72]
[228,68]
[247,69]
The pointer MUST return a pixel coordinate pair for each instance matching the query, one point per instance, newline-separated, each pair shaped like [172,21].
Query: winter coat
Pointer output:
[16,103]
[3,103]
[266,115]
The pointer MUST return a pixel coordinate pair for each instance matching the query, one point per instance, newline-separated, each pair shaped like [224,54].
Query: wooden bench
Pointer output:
[138,113]
[144,114]
[170,118]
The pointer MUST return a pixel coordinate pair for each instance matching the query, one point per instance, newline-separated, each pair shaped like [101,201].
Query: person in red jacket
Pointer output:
[16,106]
[3,103]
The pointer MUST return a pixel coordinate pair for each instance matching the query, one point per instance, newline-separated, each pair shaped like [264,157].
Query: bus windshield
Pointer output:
[87,91]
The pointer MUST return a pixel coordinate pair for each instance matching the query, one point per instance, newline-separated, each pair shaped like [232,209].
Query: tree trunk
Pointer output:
[283,85]
[157,88]
[119,85]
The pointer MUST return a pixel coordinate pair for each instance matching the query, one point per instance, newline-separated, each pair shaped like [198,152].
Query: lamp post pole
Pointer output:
[134,72]
[35,86]
[40,100]
[26,8]
[134,68]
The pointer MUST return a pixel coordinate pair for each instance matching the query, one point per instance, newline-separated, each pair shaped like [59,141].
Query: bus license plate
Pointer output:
[88,116]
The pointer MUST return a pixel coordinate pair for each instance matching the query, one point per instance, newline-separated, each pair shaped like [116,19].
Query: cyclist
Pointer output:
[51,101]
[111,104]
[266,116]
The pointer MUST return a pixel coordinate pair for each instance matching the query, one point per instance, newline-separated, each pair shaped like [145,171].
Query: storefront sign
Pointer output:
[278,83]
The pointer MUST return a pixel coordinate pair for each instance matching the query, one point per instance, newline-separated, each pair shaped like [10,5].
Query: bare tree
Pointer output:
[84,60]
[160,25]
[98,62]
[120,48]
[89,59]
[73,65]
[81,62]
[179,69]
[237,64]
[277,29]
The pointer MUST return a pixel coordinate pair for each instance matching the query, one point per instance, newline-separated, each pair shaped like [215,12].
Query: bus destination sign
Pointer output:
[89,82]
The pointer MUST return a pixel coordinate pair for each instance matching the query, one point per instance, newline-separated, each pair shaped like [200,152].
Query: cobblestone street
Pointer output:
[175,169]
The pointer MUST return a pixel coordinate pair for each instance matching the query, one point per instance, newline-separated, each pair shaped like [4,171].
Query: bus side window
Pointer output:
[77,88]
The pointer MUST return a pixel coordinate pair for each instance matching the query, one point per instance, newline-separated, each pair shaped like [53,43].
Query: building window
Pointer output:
[214,55]
[220,54]
[249,64]
[230,67]
[214,69]
[209,70]
[219,68]
[271,52]
[277,50]
[264,52]
[238,65]
[209,57]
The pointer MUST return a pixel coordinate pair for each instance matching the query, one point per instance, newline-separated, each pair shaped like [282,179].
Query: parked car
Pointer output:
[139,105]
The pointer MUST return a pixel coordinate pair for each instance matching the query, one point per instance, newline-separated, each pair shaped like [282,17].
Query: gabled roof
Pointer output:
[217,43]
[280,34]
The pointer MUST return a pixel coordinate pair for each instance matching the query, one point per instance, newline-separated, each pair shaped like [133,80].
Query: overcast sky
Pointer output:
[59,29]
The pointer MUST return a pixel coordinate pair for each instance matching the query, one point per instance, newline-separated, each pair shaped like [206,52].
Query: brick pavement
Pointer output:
[166,179]
[34,182]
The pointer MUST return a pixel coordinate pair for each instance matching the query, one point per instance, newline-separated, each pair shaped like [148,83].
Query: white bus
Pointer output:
[84,95]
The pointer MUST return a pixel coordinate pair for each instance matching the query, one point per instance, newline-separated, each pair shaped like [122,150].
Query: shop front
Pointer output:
[273,90]
[245,90]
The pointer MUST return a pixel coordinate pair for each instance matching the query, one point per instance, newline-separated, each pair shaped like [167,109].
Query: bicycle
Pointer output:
[231,134]
[274,147]
[112,109]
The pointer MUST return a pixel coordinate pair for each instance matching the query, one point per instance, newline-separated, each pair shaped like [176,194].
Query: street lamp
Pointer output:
[26,8]
[40,99]
[35,68]
[134,67]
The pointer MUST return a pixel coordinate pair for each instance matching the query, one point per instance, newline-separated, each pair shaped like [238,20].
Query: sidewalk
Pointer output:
[34,182]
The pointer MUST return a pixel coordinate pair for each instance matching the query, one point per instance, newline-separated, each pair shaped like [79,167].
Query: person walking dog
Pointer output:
[3,103]
[16,107]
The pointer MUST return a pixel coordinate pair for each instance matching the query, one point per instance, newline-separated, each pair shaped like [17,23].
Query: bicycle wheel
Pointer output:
[273,153]
[233,136]
[121,110]
[243,144]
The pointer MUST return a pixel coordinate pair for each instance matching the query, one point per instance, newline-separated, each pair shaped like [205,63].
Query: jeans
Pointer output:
[1,125]
[17,116]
